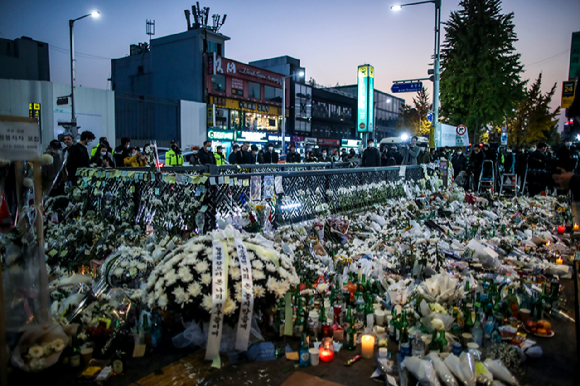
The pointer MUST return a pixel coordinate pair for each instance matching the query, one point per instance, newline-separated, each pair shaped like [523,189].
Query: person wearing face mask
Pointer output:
[194,158]
[254,155]
[324,157]
[245,155]
[220,159]
[475,165]
[371,157]
[537,170]
[270,156]
[101,158]
[121,151]
[173,156]
[411,152]
[206,156]
[459,162]
[509,161]
[424,157]
[292,156]
[79,155]
[233,158]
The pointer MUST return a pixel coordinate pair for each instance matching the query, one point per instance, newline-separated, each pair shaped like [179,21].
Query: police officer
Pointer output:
[173,156]
[220,159]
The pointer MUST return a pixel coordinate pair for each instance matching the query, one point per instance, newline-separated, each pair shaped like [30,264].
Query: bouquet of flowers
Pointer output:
[182,281]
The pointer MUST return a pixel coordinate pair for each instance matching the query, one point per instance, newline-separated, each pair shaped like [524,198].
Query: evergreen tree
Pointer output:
[423,106]
[533,122]
[481,82]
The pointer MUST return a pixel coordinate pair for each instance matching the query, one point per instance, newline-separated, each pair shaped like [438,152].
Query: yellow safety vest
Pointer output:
[172,159]
[218,159]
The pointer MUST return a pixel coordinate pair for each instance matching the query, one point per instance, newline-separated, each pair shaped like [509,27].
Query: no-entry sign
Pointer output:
[461,129]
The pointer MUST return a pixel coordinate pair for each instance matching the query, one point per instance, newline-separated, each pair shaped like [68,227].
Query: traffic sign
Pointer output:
[430,117]
[406,87]
[461,129]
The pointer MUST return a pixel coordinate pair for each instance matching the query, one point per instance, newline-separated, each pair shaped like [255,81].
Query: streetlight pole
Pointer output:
[436,58]
[301,73]
[72,68]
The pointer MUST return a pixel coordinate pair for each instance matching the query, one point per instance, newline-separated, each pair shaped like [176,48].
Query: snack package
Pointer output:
[422,370]
[442,371]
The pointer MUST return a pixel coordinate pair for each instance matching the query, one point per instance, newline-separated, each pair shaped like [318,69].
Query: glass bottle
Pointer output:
[304,351]
[359,307]
[468,321]
[350,341]
[118,363]
[434,345]
[393,326]
[477,332]
[403,328]
[442,341]
[338,331]
[456,326]
[348,320]
[75,356]
[418,349]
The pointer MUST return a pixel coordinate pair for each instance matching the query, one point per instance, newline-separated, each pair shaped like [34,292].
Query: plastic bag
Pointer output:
[422,370]
[442,371]
[468,366]
[456,367]
[500,371]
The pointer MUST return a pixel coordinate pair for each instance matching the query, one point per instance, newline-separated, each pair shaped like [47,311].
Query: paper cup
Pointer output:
[87,354]
[380,314]
[524,315]
[383,352]
[314,359]
[466,338]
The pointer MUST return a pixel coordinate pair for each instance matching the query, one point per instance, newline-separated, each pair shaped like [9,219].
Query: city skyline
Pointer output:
[331,38]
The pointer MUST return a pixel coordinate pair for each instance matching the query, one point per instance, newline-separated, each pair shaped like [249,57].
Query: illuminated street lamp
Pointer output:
[72,67]
[437,72]
[300,74]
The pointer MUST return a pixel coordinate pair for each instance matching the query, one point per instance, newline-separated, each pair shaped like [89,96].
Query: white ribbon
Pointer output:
[247,305]
[219,294]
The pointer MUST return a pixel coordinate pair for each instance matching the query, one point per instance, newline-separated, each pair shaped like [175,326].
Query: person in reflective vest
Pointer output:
[220,159]
[173,157]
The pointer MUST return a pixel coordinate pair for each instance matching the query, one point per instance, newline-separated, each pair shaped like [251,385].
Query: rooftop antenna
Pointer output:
[150,29]
[188,18]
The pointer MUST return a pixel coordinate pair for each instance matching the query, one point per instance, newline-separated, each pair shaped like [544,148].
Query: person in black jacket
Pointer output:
[310,157]
[270,156]
[475,165]
[101,159]
[537,178]
[397,155]
[78,156]
[459,162]
[371,157]
[385,157]
[119,156]
[233,158]
[245,156]
[206,156]
[292,156]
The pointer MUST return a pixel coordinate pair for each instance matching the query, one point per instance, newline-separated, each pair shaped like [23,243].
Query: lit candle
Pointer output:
[561,229]
[559,260]
[368,346]
[576,227]
[326,355]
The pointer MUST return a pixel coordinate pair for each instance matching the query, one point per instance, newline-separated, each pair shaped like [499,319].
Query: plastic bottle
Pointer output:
[477,332]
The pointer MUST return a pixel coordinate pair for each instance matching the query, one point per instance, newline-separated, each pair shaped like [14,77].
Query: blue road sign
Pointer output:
[407,87]
[430,117]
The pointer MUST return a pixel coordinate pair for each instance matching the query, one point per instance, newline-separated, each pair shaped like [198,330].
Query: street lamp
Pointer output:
[72,67]
[437,72]
[300,74]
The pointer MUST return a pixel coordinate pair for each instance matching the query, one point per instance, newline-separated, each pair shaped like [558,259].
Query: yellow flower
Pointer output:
[36,351]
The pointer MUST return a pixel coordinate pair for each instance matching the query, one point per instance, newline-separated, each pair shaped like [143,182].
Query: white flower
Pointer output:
[207,302]
[124,263]
[142,267]
[258,275]
[185,274]
[437,324]
[37,364]
[259,291]
[258,264]
[281,289]
[271,284]
[46,159]
[162,301]
[118,272]
[132,271]
[170,278]
[209,252]
[180,295]
[36,351]
[235,273]
[194,290]
[230,306]
[206,279]
[271,267]
[27,182]
[201,266]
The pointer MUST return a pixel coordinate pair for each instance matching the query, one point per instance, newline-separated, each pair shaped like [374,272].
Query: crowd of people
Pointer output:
[533,165]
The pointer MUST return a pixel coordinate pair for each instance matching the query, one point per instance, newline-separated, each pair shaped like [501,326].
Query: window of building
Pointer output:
[254,90]
[214,47]
[218,83]
[273,94]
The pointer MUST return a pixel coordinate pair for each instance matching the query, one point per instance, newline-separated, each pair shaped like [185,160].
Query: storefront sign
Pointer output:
[220,135]
[228,67]
[235,104]
[278,138]
[237,84]
[351,143]
[568,92]
[251,136]
[310,140]
[297,138]
[366,87]
[328,142]
[254,107]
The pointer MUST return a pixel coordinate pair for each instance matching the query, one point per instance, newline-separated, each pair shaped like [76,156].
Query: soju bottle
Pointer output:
[442,341]
[456,326]
[350,341]
[393,326]
[477,332]
[434,345]
[468,321]
[304,352]
[404,329]
[348,321]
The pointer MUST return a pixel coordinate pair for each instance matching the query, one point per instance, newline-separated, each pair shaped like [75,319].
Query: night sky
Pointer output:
[330,37]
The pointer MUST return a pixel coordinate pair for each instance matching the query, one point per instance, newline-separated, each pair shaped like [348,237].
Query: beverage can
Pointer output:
[405,350]
[457,349]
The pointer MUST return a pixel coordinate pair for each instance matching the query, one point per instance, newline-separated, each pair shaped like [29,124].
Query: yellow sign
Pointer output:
[236,104]
[568,93]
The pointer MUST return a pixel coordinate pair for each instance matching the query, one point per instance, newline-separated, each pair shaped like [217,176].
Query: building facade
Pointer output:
[24,59]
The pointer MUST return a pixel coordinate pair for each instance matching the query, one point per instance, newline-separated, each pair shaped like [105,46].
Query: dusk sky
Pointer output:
[330,37]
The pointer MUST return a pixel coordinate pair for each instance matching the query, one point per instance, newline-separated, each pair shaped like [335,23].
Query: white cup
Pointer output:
[314,359]
[383,352]
[380,314]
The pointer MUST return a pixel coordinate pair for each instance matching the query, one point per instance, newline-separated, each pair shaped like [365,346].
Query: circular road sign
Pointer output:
[362,125]
[461,129]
